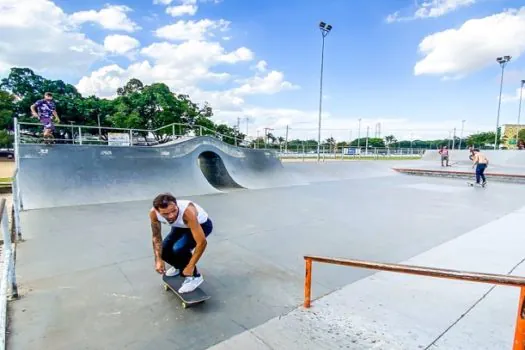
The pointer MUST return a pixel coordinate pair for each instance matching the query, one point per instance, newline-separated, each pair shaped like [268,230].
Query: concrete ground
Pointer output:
[396,311]
[87,277]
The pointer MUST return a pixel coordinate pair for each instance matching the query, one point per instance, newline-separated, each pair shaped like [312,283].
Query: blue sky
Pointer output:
[370,62]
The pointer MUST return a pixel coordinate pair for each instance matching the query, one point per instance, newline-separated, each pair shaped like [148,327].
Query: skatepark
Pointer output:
[85,269]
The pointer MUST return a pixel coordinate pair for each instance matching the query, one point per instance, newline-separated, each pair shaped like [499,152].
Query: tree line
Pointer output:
[150,107]
[136,106]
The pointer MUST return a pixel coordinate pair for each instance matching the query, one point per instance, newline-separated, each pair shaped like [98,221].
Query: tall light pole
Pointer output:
[502,62]
[359,135]
[325,29]
[461,135]
[519,113]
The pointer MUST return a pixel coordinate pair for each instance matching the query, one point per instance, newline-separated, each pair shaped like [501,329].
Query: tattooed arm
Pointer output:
[160,267]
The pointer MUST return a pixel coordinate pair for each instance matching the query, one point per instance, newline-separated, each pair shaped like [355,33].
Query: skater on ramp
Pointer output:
[480,162]
[190,226]
[45,110]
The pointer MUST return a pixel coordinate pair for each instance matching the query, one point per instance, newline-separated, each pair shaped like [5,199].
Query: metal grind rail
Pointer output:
[502,280]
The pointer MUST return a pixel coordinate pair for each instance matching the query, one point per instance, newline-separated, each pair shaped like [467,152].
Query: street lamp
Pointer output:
[461,136]
[325,29]
[519,113]
[502,62]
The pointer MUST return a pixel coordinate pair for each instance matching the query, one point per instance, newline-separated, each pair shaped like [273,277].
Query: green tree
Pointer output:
[390,140]
[7,107]
[483,138]
[372,142]
[6,139]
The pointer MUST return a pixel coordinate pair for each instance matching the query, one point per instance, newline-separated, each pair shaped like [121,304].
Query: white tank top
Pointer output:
[202,216]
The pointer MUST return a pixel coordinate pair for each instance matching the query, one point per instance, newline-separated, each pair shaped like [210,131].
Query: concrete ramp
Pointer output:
[64,175]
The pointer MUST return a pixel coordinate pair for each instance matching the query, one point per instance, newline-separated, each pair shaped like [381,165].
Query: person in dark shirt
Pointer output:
[45,110]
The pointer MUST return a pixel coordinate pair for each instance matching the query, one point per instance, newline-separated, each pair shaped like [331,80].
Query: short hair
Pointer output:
[476,149]
[163,200]
[48,94]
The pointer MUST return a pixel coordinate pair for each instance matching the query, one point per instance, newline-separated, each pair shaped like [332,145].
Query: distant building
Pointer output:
[509,135]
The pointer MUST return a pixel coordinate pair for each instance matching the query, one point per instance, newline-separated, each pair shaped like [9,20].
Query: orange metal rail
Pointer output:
[504,280]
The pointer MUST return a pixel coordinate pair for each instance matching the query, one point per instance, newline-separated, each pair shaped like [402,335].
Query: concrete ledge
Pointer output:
[396,311]
[500,177]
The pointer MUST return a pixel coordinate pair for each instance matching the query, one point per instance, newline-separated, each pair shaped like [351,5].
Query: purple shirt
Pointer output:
[45,108]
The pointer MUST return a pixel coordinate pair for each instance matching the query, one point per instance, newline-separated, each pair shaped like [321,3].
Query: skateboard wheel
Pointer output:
[184,305]
[166,287]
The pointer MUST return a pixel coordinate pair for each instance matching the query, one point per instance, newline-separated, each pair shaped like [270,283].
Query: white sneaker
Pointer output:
[172,272]
[190,284]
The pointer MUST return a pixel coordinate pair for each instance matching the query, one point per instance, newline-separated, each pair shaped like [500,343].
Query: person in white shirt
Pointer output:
[190,227]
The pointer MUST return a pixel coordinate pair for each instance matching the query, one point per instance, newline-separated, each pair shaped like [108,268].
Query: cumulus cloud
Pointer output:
[178,65]
[474,45]
[120,44]
[261,66]
[113,17]
[269,84]
[27,24]
[431,9]
[192,30]
[186,7]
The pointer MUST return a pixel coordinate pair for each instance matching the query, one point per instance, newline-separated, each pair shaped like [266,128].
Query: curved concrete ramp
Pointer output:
[63,175]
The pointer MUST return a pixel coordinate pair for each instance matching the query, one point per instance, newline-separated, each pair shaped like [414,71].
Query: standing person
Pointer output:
[471,150]
[45,110]
[444,155]
[190,225]
[481,163]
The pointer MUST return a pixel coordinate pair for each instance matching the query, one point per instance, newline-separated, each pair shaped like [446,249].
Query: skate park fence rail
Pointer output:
[503,280]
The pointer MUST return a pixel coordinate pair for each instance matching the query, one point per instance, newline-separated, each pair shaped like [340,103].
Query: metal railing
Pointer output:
[8,285]
[503,280]
[88,134]
[346,152]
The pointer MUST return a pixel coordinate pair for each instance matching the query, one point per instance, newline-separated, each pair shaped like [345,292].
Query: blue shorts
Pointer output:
[48,123]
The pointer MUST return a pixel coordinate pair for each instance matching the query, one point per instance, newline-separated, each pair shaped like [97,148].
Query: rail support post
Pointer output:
[308,283]
[519,335]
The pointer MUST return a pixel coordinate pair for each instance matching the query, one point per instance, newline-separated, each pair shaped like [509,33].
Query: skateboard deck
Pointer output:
[472,184]
[188,299]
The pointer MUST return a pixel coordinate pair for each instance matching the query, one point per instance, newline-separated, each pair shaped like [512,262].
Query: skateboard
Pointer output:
[188,299]
[472,184]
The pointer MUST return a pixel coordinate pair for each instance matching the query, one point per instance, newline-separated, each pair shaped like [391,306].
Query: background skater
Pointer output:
[190,225]
[480,162]
[45,110]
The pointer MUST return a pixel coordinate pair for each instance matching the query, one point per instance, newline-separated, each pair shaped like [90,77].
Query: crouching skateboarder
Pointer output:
[190,225]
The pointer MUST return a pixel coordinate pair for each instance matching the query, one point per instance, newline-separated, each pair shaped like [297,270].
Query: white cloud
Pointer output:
[431,9]
[162,2]
[513,98]
[113,17]
[261,66]
[474,45]
[120,44]
[26,24]
[272,83]
[181,66]
[186,7]
[192,30]
[181,10]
